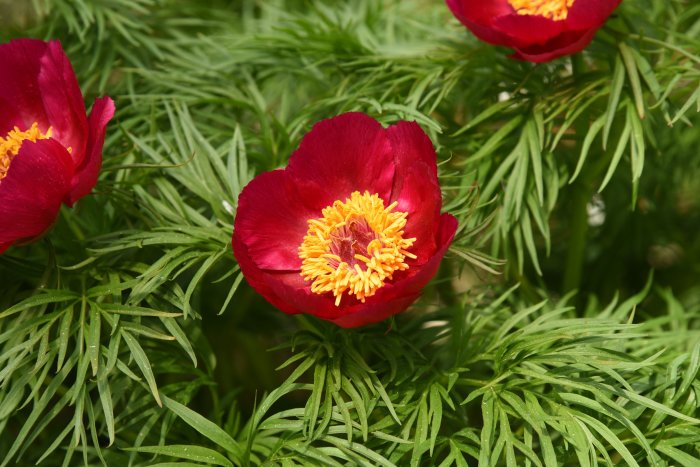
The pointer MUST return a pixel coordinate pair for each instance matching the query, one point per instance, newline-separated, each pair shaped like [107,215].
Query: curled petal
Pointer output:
[86,173]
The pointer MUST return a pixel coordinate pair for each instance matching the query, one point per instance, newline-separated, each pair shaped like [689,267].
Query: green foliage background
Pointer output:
[129,337]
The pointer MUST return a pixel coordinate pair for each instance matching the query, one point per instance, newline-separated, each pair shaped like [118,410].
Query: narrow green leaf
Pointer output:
[619,150]
[142,362]
[638,146]
[485,115]
[93,338]
[618,81]
[633,75]
[435,414]
[586,146]
[107,406]
[46,297]
[64,335]
[683,458]
[180,336]
[207,428]
[496,140]
[610,437]
[190,452]
[488,415]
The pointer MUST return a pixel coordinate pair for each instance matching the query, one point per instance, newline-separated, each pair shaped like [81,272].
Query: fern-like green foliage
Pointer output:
[562,329]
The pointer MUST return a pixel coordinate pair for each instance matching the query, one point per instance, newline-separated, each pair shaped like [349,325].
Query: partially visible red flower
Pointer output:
[538,30]
[351,230]
[50,151]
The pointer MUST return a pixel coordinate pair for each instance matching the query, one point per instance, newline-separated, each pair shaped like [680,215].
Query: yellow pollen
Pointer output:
[355,247]
[12,142]
[556,10]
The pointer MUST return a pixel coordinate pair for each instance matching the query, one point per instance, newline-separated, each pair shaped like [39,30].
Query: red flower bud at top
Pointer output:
[351,230]
[538,30]
[50,151]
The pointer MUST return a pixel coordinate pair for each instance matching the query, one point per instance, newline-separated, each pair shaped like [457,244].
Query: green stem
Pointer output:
[584,190]
[575,254]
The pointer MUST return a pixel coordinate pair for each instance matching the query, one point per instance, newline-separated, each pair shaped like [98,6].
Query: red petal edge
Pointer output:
[87,172]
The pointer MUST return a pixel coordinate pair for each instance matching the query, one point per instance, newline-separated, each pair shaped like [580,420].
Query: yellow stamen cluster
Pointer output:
[556,10]
[356,246]
[12,142]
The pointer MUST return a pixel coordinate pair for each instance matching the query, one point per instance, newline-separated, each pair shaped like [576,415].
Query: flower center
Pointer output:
[355,247]
[12,142]
[556,10]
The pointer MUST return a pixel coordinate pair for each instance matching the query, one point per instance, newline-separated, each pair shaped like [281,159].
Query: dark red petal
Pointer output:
[31,193]
[347,153]
[416,186]
[257,278]
[374,312]
[526,30]
[479,11]
[86,173]
[420,197]
[478,21]
[410,145]
[38,85]
[271,220]
[585,14]
[565,44]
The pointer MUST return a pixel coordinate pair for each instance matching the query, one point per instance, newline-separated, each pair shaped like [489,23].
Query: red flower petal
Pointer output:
[480,11]
[31,193]
[38,85]
[524,31]
[477,16]
[420,197]
[410,145]
[86,173]
[586,14]
[416,186]
[563,45]
[271,220]
[340,155]
[256,277]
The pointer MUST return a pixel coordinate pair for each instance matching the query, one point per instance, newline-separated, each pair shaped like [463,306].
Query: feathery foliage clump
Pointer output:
[562,329]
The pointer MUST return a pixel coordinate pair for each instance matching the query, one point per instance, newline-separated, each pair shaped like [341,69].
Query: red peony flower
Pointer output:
[538,30]
[50,152]
[351,230]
